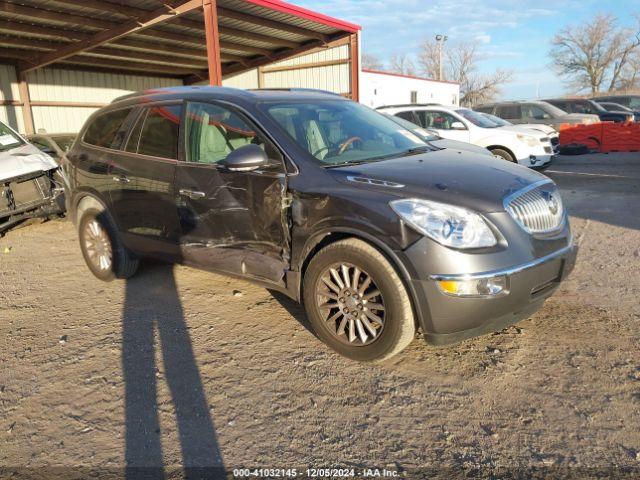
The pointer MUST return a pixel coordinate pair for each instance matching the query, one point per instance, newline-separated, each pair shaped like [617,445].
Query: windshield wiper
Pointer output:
[420,149]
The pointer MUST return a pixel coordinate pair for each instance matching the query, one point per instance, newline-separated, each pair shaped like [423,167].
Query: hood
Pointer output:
[533,128]
[456,178]
[24,160]
[462,146]
[579,118]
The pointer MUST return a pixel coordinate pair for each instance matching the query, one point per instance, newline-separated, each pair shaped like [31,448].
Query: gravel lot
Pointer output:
[241,382]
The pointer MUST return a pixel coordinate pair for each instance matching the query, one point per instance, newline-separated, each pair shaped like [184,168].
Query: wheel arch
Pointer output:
[321,239]
[83,202]
[502,147]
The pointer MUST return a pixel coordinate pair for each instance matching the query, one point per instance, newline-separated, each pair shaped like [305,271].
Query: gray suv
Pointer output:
[375,231]
[535,112]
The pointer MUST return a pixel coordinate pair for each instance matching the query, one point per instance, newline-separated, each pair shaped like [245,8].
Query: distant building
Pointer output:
[379,88]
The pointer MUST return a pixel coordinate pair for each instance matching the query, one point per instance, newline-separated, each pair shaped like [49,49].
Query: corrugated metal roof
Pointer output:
[249,29]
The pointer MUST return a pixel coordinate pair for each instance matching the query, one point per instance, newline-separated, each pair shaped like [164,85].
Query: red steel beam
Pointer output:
[154,17]
[354,57]
[213,42]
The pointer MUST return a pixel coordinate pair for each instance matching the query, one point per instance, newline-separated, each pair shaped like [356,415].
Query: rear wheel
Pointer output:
[102,249]
[357,303]
[500,152]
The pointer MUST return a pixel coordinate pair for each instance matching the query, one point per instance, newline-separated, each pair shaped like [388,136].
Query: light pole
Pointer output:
[440,39]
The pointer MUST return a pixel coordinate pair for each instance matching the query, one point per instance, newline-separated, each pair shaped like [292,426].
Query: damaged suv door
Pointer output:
[231,216]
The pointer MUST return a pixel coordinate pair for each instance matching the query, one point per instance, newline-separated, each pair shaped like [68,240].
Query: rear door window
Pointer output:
[134,138]
[102,131]
[408,115]
[513,112]
[160,132]
[535,112]
[437,120]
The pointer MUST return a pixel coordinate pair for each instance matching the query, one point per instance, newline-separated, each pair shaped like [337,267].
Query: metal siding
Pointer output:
[53,84]
[243,80]
[10,115]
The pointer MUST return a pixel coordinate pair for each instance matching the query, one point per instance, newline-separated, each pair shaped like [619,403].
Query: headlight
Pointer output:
[529,140]
[450,226]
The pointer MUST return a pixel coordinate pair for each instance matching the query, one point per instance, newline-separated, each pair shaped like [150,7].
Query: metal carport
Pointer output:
[193,40]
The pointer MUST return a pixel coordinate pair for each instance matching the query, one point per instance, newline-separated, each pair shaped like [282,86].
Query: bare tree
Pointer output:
[371,62]
[429,59]
[594,55]
[630,74]
[401,64]
[462,64]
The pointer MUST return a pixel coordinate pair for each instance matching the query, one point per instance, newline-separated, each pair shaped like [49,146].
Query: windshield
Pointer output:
[497,120]
[554,111]
[338,132]
[8,139]
[423,133]
[634,103]
[478,119]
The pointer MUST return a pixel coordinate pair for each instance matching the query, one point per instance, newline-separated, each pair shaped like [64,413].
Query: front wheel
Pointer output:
[102,249]
[356,302]
[499,152]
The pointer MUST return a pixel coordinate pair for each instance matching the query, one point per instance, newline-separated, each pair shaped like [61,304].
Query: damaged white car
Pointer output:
[31,184]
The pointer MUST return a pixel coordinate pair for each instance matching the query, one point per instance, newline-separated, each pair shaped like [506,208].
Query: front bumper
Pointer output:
[449,319]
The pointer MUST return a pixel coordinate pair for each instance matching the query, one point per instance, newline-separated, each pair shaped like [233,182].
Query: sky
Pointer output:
[511,34]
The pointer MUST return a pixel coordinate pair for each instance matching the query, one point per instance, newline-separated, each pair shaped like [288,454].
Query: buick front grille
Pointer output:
[537,208]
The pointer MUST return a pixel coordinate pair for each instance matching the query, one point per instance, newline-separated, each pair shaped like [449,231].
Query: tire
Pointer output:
[502,153]
[374,341]
[97,227]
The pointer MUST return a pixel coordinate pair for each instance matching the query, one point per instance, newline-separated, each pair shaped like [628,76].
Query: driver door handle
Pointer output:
[121,179]
[193,194]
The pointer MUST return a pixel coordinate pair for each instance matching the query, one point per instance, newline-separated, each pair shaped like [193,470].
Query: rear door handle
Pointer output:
[121,179]
[193,194]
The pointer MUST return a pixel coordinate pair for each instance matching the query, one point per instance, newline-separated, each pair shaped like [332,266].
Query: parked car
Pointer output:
[531,149]
[326,200]
[550,132]
[434,139]
[53,144]
[629,101]
[30,182]
[536,112]
[616,107]
[582,105]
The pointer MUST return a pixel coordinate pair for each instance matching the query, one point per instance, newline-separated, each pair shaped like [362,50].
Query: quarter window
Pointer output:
[213,132]
[160,132]
[102,132]
[436,120]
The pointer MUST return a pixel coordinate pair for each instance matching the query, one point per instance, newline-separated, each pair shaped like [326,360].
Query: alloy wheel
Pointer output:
[98,245]
[350,304]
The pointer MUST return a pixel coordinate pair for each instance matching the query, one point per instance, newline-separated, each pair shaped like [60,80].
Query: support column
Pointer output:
[213,41]
[354,56]
[260,77]
[25,99]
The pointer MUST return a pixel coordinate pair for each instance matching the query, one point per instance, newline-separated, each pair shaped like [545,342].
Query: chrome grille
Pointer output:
[537,208]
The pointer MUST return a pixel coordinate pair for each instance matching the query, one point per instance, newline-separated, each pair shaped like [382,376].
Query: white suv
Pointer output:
[531,149]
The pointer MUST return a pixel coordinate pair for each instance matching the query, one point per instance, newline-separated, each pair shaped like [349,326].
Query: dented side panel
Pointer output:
[239,224]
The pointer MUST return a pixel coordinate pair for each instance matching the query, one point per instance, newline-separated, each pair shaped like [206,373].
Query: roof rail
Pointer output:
[294,89]
[410,105]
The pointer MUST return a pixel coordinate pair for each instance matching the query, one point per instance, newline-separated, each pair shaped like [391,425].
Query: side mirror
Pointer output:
[245,159]
[458,126]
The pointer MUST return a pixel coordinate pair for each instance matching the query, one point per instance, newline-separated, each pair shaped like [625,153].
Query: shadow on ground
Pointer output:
[152,305]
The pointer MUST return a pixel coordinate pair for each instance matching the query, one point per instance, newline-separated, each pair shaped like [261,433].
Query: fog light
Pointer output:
[480,287]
